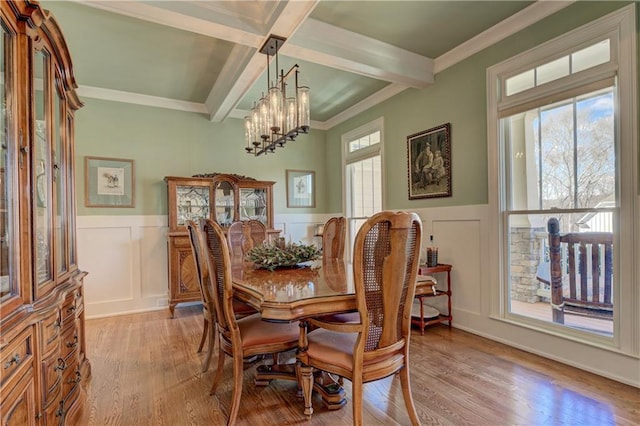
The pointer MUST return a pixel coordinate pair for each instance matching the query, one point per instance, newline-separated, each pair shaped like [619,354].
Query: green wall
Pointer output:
[173,143]
[458,96]
[166,142]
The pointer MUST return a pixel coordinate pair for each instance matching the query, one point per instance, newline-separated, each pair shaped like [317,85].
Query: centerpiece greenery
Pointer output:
[271,256]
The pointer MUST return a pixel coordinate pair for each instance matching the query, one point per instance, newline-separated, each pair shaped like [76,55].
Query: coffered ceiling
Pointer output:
[203,56]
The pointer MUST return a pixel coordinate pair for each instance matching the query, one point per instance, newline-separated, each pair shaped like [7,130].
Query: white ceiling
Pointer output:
[203,56]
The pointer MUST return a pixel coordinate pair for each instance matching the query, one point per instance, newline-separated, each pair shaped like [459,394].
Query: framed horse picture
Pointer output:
[429,163]
[109,182]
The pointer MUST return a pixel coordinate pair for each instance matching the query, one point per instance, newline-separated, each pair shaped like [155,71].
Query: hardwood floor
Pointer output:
[145,371]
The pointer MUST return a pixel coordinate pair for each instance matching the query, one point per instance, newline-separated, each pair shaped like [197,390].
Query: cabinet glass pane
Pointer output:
[253,204]
[193,203]
[42,167]
[71,200]
[6,174]
[60,184]
[224,203]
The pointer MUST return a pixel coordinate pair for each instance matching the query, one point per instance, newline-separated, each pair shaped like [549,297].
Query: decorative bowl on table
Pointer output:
[270,257]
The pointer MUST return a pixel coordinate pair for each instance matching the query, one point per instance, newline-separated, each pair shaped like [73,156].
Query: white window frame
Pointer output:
[361,154]
[620,27]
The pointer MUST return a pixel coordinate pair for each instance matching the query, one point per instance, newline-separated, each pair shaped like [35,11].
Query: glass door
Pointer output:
[224,196]
[192,203]
[8,281]
[253,204]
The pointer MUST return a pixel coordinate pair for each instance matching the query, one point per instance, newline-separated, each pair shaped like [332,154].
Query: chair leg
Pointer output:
[213,334]
[306,381]
[238,377]
[356,396]
[216,379]
[204,335]
[408,398]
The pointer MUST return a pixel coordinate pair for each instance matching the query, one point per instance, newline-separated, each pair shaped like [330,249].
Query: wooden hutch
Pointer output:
[225,198]
[42,340]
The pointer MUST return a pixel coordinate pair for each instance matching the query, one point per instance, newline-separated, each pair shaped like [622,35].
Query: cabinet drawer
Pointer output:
[70,379]
[53,414]
[180,242]
[69,309]
[70,342]
[52,378]
[16,356]
[50,329]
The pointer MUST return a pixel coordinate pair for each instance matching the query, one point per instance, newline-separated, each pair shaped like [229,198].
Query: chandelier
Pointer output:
[280,115]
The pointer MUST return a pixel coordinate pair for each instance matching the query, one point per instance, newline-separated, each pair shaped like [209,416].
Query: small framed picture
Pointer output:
[301,191]
[109,182]
[429,158]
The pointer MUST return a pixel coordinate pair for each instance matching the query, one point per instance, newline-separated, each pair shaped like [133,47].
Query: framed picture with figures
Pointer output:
[429,163]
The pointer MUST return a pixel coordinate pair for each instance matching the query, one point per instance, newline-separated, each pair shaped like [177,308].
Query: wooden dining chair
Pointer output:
[385,266]
[208,306]
[238,338]
[334,235]
[240,309]
[242,236]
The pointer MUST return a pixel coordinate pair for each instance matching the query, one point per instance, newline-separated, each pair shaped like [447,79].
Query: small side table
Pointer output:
[423,291]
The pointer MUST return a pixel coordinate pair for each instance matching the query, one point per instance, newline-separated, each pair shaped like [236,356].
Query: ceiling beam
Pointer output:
[244,66]
[335,47]
[219,28]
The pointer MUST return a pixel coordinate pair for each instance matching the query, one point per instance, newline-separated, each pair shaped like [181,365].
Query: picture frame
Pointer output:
[429,163]
[109,182]
[301,191]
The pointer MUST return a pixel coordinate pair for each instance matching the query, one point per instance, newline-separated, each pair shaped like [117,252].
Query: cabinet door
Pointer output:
[253,204]
[183,271]
[12,139]
[60,182]
[19,405]
[188,200]
[224,201]
[41,173]
[71,194]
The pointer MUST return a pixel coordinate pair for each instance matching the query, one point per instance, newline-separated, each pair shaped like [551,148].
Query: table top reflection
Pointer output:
[289,294]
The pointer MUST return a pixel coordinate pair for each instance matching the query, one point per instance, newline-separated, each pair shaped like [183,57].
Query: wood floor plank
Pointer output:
[145,371]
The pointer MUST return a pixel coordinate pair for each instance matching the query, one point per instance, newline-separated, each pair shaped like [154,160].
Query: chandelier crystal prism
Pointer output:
[283,113]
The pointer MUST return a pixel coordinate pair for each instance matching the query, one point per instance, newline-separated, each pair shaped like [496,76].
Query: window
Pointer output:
[563,120]
[562,158]
[363,175]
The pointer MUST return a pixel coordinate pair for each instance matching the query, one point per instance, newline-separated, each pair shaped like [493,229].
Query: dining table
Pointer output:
[288,294]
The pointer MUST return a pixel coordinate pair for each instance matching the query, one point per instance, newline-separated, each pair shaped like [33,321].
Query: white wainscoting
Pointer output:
[126,257]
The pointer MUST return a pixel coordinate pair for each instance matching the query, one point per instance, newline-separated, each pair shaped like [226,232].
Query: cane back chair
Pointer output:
[385,266]
[239,338]
[333,237]
[242,236]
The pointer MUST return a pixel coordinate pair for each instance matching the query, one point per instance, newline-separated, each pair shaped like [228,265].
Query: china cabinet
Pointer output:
[188,198]
[222,197]
[42,340]
[241,198]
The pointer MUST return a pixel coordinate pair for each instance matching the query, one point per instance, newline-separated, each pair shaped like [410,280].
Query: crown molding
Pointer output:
[217,108]
[139,99]
[503,29]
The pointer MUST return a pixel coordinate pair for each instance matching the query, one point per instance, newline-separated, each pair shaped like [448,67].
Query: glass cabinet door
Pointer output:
[7,173]
[253,204]
[192,203]
[224,203]
[60,182]
[41,170]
